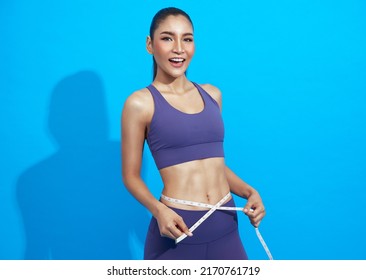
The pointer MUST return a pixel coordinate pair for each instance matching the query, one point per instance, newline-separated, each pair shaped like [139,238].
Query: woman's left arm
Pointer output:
[254,208]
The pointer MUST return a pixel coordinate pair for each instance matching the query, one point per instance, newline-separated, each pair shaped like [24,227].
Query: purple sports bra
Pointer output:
[176,137]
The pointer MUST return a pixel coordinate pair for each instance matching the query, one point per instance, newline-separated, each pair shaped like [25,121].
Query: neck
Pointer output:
[171,84]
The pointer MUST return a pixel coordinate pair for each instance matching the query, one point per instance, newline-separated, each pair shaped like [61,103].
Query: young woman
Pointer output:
[182,123]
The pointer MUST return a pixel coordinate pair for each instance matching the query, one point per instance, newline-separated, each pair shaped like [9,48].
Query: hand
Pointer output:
[254,209]
[171,224]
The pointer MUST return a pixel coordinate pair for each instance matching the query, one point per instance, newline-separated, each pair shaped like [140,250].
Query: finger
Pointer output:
[257,215]
[171,231]
[173,234]
[258,211]
[183,227]
[251,213]
[256,220]
[247,208]
[256,225]
[166,233]
[175,231]
[252,205]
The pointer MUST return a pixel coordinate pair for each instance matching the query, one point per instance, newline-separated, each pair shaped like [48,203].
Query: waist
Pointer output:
[210,197]
[221,222]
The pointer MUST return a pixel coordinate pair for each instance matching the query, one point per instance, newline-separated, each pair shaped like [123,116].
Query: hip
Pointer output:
[217,225]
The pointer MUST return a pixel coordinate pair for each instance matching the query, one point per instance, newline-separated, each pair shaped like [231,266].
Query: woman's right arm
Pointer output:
[135,117]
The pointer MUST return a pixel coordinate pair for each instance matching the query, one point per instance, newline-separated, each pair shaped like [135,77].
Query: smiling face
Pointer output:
[172,46]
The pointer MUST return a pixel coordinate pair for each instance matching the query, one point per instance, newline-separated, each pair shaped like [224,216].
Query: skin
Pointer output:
[205,180]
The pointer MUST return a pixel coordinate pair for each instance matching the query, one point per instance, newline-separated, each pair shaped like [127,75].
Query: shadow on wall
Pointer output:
[73,203]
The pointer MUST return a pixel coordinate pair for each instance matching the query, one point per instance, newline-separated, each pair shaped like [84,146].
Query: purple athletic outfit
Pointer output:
[176,137]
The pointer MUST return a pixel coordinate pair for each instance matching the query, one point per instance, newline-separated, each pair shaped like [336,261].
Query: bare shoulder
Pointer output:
[140,105]
[140,100]
[213,91]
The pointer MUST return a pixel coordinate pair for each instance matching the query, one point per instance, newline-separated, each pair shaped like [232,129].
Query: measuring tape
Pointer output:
[213,208]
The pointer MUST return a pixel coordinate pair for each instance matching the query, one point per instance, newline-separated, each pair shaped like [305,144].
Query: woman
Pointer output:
[182,123]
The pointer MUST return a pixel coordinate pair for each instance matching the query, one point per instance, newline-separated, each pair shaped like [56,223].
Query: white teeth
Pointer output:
[177,59]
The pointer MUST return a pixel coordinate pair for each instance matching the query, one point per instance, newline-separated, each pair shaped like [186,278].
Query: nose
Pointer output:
[178,47]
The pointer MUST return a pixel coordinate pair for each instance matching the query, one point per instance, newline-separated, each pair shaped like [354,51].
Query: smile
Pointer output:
[177,60]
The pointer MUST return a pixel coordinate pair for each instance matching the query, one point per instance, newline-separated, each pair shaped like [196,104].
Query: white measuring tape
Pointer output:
[213,208]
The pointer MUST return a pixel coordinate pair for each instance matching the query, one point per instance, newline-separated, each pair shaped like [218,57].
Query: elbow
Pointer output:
[129,179]
[126,179]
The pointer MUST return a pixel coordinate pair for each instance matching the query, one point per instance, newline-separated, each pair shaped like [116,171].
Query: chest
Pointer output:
[190,102]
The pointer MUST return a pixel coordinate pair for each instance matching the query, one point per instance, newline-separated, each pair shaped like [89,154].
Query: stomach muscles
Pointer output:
[201,180]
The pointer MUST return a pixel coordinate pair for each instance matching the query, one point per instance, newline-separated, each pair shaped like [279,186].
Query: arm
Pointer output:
[254,201]
[134,121]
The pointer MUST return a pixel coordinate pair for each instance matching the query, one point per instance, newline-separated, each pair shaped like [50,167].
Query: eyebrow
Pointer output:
[172,33]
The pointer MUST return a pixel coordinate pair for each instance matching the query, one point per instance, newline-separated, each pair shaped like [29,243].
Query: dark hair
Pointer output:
[159,17]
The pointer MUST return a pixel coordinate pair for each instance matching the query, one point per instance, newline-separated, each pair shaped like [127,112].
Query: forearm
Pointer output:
[140,191]
[237,185]
[254,207]
[170,223]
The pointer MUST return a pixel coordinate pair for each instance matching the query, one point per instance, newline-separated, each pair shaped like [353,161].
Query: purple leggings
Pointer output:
[217,238]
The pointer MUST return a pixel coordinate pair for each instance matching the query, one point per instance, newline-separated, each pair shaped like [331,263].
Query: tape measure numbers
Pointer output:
[213,208]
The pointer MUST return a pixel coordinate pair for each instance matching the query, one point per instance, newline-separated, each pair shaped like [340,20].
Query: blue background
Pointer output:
[293,78]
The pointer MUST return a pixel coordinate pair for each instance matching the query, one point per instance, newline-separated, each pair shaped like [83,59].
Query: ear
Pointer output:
[149,47]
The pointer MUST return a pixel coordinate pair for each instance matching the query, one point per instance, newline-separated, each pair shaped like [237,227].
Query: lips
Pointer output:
[177,61]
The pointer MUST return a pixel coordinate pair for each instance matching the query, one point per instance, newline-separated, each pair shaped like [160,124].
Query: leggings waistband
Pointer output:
[212,209]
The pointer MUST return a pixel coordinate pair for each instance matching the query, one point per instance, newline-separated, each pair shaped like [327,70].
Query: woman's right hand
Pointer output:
[170,223]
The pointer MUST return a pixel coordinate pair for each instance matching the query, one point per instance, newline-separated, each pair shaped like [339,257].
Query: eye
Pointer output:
[166,39]
[189,39]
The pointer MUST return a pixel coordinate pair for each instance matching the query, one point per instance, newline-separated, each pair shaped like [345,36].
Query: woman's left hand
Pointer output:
[254,209]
